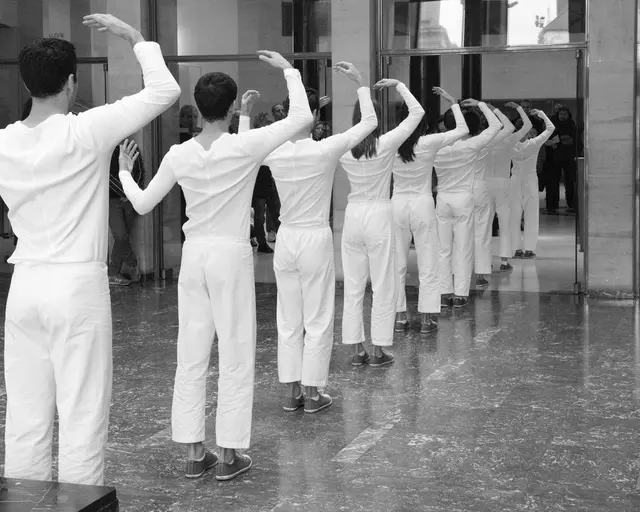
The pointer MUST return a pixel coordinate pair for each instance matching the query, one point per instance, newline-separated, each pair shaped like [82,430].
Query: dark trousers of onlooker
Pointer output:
[568,169]
[273,211]
[121,219]
[260,205]
[552,184]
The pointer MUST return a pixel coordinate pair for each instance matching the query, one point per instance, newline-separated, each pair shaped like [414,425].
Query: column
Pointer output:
[351,40]
[610,150]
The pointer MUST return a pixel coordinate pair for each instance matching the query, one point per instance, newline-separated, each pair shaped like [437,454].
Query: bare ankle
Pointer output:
[195,451]
[227,455]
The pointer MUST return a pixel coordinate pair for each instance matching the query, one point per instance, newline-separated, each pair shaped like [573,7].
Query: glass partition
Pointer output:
[449,24]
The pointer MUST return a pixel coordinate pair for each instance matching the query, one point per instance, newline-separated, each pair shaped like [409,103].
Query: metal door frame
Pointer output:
[382,57]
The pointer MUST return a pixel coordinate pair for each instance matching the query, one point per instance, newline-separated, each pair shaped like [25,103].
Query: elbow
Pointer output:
[174,92]
[141,208]
[306,118]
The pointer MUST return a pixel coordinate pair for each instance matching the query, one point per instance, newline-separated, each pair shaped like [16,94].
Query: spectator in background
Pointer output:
[121,221]
[564,149]
[188,122]
[321,130]
[278,112]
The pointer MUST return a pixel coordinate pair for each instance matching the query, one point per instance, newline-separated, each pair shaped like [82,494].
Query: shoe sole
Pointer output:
[403,328]
[482,285]
[366,361]
[237,473]
[119,284]
[460,307]
[313,411]
[292,409]
[428,331]
[376,365]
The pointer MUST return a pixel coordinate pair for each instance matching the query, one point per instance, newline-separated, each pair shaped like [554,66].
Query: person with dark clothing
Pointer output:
[262,195]
[121,219]
[561,155]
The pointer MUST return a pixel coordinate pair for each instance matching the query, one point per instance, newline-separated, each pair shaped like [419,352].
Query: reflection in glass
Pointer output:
[436,24]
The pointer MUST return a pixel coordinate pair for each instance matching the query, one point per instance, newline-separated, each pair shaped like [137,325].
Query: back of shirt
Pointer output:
[57,195]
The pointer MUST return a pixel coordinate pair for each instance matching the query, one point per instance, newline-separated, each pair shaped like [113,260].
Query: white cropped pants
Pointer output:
[368,248]
[500,197]
[57,355]
[416,215]
[306,279]
[525,198]
[482,227]
[454,212]
[216,294]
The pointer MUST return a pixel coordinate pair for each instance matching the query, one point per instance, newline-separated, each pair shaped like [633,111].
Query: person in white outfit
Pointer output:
[54,178]
[498,174]
[414,214]
[524,188]
[454,166]
[368,236]
[303,170]
[216,290]
[483,218]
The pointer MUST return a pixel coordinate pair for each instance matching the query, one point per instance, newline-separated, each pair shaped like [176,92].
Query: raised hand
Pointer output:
[350,70]
[274,59]
[249,99]
[128,155]
[117,27]
[534,112]
[470,103]
[444,94]
[386,83]
[324,101]
[511,104]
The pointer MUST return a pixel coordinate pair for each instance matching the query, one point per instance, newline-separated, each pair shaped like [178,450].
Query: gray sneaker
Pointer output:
[312,406]
[118,280]
[197,468]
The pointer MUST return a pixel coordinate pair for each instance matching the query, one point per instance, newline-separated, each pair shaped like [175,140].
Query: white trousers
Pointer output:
[216,294]
[57,354]
[500,197]
[368,248]
[454,212]
[306,279]
[416,215]
[482,227]
[525,198]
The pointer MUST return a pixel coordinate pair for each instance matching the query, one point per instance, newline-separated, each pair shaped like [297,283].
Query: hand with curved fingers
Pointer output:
[534,112]
[350,70]
[249,99]
[386,83]
[512,104]
[324,101]
[113,25]
[470,103]
[128,155]
[274,59]
[444,94]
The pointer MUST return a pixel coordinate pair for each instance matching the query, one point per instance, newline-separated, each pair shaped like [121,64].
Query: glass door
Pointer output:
[549,80]
[183,122]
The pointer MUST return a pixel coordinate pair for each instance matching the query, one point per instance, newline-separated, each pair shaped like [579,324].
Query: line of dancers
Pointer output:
[54,170]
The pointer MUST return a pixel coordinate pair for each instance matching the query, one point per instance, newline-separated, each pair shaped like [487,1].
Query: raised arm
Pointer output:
[249,99]
[264,140]
[461,129]
[400,133]
[338,145]
[526,123]
[507,127]
[104,127]
[484,139]
[143,201]
[548,130]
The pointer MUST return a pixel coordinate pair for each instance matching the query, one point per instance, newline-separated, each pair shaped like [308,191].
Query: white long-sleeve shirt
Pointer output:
[484,157]
[414,178]
[525,154]
[54,177]
[455,163]
[304,170]
[499,162]
[218,182]
[370,178]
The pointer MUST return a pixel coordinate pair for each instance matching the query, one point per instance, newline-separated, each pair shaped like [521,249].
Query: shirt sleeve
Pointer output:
[143,201]
[549,129]
[106,126]
[262,141]
[484,139]
[460,130]
[526,126]
[245,124]
[339,144]
[507,128]
[394,139]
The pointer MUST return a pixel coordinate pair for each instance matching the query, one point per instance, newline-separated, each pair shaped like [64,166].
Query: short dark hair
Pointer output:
[46,64]
[215,93]
[471,117]
[312,97]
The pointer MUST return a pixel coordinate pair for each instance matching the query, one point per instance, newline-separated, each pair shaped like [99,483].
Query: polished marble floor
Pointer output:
[524,401]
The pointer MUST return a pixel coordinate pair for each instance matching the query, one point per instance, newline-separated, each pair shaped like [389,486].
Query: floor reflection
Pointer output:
[524,401]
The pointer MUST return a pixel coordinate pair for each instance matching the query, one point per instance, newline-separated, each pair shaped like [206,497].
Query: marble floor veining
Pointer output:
[524,401]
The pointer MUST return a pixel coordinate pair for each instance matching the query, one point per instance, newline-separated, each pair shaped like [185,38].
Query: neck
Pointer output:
[215,128]
[44,108]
